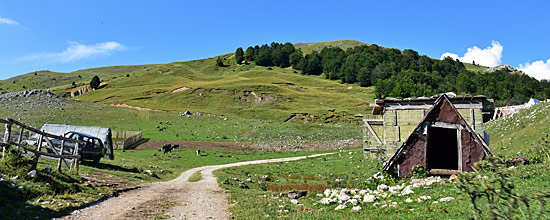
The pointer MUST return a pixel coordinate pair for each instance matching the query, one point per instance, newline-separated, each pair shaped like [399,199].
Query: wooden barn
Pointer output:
[395,125]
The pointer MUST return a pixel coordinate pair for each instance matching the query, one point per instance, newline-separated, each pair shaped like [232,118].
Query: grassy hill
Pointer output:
[244,91]
[520,133]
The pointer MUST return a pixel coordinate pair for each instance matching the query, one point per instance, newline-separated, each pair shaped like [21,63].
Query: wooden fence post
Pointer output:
[7,135]
[20,137]
[61,153]
[38,150]
[77,145]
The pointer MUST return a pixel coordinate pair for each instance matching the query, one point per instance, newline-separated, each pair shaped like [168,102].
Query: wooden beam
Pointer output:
[372,131]
[444,172]
[42,132]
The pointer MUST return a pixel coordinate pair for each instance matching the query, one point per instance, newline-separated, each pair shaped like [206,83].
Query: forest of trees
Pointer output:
[398,73]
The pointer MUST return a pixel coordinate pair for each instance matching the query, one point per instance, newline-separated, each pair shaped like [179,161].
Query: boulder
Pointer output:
[297,194]
[520,160]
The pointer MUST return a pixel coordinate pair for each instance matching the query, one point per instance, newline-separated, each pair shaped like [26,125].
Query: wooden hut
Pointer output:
[443,143]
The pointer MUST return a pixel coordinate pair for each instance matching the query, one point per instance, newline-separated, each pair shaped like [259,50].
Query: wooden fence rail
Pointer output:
[43,140]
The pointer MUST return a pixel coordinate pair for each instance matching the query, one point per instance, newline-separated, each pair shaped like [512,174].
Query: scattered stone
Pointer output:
[47,170]
[343,197]
[327,201]
[242,186]
[408,200]
[453,178]
[341,206]
[356,208]
[520,160]
[297,194]
[369,198]
[294,201]
[446,199]
[32,174]
[151,173]
[383,187]
[407,191]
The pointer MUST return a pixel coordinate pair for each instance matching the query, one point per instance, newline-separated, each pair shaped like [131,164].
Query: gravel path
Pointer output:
[174,199]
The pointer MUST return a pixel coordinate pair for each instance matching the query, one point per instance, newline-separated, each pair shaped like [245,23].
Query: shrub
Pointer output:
[419,172]
[541,152]
[492,193]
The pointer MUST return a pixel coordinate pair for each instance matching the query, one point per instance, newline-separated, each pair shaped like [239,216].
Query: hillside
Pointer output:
[244,91]
[318,46]
[520,133]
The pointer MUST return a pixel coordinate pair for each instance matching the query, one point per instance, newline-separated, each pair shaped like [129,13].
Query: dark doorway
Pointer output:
[442,149]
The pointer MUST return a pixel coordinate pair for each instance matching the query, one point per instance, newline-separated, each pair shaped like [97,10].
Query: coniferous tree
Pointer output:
[94,83]
[239,55]
[249,54]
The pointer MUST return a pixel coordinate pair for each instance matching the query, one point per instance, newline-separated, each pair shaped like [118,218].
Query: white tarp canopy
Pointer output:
[103,133]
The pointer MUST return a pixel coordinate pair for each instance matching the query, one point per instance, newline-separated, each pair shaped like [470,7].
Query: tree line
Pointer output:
[397,73]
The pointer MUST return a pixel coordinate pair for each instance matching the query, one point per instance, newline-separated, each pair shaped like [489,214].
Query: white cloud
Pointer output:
[8,21]
[77,51]
[538,69]
[490,56]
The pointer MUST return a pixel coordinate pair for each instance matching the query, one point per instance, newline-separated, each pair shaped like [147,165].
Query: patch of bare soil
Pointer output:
[134,107]
[180,89]
[303,145]
[175,199]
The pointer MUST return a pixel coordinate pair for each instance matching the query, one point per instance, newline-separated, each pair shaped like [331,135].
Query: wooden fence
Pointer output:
[123,139]
[43,142]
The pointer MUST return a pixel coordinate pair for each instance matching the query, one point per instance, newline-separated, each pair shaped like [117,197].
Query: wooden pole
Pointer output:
[7,135]
[76,153]
[20,137]
[61,159]
[38,150]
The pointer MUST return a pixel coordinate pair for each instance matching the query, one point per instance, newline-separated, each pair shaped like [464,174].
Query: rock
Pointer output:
[383,187]
[353,201]
[363,192]
[344,191]
[294,201]
[242,186]
[369,198]
[343,197]
[32,174]
[327,192]
[378,175]
[407,191]
[341,206]
[297,194]
[453,178]
[47,170]
[356,208]
[327,201]
[408,200]
[520,160]
[446,199]
[150,173]
[319,195]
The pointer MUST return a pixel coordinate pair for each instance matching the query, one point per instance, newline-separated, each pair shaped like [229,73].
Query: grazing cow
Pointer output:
[199,152]
[167,148]
[176,147]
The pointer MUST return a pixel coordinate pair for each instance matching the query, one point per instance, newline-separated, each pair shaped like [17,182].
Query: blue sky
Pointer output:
[65,36]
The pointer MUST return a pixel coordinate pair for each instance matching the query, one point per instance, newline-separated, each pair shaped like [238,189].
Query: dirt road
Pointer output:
[175,199]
